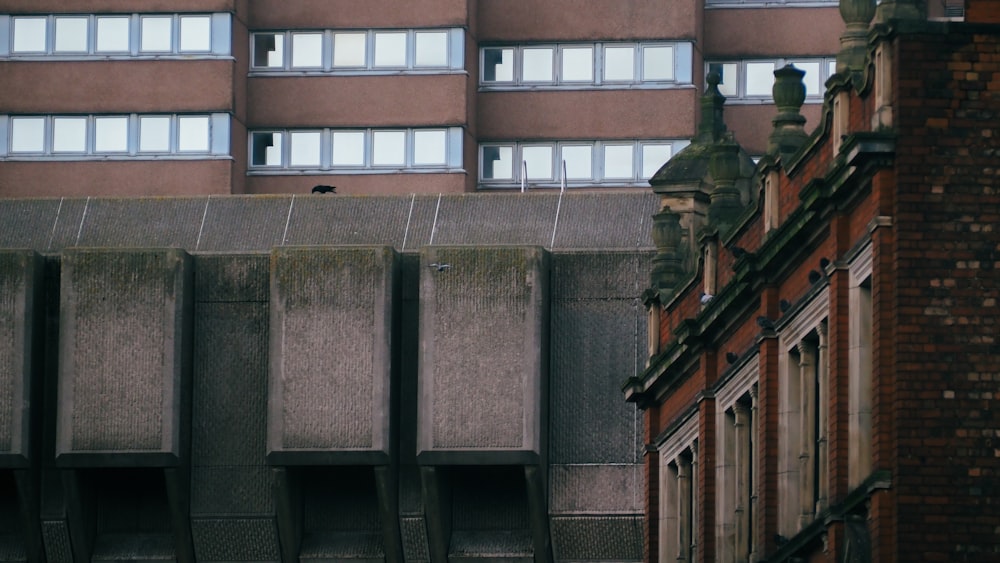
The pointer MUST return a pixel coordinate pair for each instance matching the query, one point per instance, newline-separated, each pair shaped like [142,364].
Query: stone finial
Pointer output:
[724,204]
[789,132]
[857,14]
[712,126]
[667,264]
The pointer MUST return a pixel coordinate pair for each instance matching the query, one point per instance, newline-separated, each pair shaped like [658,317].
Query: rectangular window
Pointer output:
[265,149]
[192,134]
[754,80]
[348,148]
[307,50]
[268,50]
[71,35]
[430,148]
[29,35]
[618,161]
[389,148]
[813,78]
[196,33]
[728,78]
[27,134]
[578,162]
[498,65]
[390,49]
[536,65]
[498,162]
[653,157]
[760,79]
[154,134]
[304,148]
[577,64]
[69,134]
[112,35]
[349,49]
[431,49]
[111,134]
[155,34]
[619,64]
[658,63]
[537,162]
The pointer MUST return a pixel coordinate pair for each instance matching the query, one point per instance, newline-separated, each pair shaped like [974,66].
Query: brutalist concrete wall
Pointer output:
[232,507]
[483,355]
[124,373]
[20,283]
[595,452]
[331,349]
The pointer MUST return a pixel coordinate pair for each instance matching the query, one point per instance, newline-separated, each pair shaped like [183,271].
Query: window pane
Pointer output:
[578,162]
[618,161]
[196,33]
[431,49]
[578,64]
[69,134]
[831,68]
[388,148]
[27,134]
[268,50]
[539,162]
[390,49]
[653,157]
[71,35]
[307,50]
[536,65]
[760,79]
[265,149]
[112,34]
[304,147]
[658,63]
[192,133]
[812,80]
[348,148]
[498,65]
[349,49]
[619,63]
[154,134]
[430,147]
[498,163]
[111,134]
[727,77]
[29,35]
[155,34]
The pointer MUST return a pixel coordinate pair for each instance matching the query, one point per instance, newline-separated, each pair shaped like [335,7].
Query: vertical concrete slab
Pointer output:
[124,374]
[20,286]
[483,355]
[331,369]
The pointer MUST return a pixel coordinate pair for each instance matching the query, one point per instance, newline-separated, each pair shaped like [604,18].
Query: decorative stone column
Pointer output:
[807,442]
[667,265]
[857,14]
[789,134]
[725,203]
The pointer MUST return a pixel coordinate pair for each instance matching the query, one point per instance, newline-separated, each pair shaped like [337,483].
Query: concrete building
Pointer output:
[322,378]
[823,370]
[197,97]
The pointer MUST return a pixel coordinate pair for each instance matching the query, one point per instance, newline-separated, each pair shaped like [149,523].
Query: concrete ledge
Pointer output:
[20,288]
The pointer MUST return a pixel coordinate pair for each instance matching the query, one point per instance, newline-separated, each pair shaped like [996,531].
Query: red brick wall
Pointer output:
[947,275]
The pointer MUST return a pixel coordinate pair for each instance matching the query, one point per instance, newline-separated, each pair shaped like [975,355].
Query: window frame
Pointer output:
[827,67]
[680,72]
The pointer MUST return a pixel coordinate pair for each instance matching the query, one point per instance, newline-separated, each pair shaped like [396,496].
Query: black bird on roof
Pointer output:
[814,276]
[324,190]
[765,323]
[784,305]
[731,358]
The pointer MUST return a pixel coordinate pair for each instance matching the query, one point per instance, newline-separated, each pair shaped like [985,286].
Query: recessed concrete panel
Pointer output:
[20,287]
[483,354]
[595,538]
[331,369]
[596,489]
[249,539]
[123,358]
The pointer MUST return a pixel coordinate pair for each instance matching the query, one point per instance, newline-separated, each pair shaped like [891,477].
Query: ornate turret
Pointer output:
[789,132]
[857,14]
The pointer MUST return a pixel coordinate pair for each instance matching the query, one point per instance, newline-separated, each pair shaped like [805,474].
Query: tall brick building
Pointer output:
[823,384]
[198,97]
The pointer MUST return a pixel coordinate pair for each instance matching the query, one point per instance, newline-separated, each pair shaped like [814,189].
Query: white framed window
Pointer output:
[358,151]
[751,81]
[585,163]
[117,36]
[359,51]
[768,3]
[76,137]
[586,65]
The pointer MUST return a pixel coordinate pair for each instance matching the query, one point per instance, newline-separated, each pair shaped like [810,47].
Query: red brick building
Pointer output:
[824,360]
